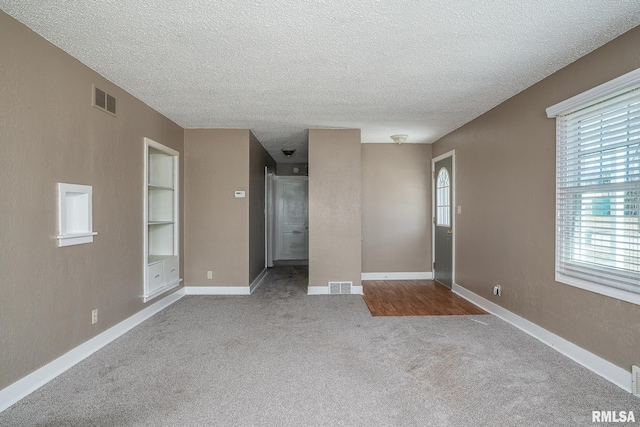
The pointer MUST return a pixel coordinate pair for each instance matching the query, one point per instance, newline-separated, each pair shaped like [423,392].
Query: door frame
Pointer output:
[278,179]
[269,215]
[454,212]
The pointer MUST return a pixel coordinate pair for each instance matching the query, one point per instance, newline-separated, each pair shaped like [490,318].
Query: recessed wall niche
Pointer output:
[75,220]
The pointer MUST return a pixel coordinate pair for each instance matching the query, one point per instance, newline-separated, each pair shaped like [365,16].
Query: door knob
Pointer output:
[449,231]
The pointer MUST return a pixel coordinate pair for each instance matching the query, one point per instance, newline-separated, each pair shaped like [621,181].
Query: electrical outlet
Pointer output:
[94,316]
[209,274]
[497,290]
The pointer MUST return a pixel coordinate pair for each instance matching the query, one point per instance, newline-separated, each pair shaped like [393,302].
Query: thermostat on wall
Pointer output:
[239,194]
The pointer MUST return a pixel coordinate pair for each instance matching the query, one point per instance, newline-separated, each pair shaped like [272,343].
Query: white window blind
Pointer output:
[598,195]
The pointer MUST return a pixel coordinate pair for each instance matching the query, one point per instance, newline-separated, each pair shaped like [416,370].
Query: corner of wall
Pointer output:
[335,189]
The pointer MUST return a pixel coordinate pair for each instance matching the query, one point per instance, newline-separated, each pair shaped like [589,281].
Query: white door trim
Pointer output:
[454,209]
[268,217]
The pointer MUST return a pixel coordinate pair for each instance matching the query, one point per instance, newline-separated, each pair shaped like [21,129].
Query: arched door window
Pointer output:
[443,202]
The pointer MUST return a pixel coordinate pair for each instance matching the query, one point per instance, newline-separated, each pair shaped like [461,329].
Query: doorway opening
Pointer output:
[288,224]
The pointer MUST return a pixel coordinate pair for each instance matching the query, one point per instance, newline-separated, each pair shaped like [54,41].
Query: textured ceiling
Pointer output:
[279,67]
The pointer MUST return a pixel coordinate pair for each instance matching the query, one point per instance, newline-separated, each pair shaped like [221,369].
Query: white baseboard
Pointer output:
[228,290]
[617,375]
[38,378]
[217,290]
[420,275]
[258,281]
[324,290]
[317,290]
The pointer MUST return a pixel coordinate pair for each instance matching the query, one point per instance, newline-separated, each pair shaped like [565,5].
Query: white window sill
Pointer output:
[619,294]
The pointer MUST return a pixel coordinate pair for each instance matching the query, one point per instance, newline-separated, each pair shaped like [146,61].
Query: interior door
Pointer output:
[443,246]
[292,222]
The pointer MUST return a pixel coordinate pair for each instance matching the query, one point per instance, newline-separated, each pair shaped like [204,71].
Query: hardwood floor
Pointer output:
[414,298]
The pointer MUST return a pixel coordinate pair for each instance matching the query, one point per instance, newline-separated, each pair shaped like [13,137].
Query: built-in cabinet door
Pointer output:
[171,269]
[155,276]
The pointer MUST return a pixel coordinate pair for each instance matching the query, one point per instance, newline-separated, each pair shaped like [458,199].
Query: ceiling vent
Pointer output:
[340,288]
[104,101]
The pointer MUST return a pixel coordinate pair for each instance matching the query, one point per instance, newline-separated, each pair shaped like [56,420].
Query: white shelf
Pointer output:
[161,239]
[160,205]
[75,239]
[161,218]
[161,172]
[158,258]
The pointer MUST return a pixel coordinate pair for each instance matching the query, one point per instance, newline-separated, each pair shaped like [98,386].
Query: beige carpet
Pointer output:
[282,358]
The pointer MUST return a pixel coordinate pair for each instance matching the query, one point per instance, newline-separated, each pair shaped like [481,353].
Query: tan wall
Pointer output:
[505,235]
[50,133]
[334,206]
[258,159]
[396,208]
[217,231]
[286,169]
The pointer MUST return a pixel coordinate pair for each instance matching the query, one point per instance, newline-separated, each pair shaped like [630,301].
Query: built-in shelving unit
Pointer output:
[161,245]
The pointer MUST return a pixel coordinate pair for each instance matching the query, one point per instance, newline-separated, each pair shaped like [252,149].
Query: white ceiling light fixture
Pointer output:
[400,138]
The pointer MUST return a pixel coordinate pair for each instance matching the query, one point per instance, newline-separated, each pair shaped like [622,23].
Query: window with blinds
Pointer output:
[598,194]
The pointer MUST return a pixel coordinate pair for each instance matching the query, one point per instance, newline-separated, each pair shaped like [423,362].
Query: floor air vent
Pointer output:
[340,287]
[635,371]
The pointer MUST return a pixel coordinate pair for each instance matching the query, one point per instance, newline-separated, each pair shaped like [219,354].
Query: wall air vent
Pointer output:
[99,98]
[111,104]
[103,101]
[635,371]
[336,288]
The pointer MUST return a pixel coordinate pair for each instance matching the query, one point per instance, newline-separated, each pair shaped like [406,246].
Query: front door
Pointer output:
[292,234]
[443,250]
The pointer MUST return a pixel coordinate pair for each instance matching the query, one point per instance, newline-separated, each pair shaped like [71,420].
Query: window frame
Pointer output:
[448,206]
[590,97]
